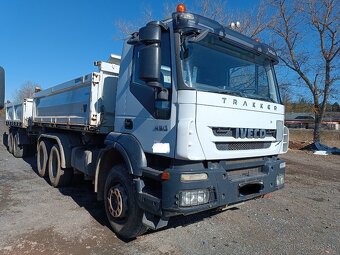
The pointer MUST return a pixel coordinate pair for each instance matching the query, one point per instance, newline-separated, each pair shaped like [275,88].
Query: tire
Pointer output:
[18,151]
[58,177]
[43,151]
[121,207]
[10,142]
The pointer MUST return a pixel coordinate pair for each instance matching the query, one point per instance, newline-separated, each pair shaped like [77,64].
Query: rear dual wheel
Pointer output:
[58,176]
[43,151]
[10,142]
[14,147]
[18,150]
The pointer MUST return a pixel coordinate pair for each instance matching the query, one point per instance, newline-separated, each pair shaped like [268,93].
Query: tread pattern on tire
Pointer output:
[63,176]
[133,226]
[10,142]
[46,146]
[18,151]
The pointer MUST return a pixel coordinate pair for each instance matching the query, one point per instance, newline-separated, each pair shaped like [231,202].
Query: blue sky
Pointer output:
[52,41]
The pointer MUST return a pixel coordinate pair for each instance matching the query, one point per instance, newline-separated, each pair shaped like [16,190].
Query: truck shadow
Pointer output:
[182,221]
[5,139]
[80,191]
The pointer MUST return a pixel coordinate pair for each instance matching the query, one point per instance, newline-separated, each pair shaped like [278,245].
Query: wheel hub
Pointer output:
[117,201]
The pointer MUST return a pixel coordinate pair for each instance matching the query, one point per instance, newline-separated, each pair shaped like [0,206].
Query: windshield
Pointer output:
[214,65]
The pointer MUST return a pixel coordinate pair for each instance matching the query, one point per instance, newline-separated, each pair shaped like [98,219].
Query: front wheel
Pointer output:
[121,206]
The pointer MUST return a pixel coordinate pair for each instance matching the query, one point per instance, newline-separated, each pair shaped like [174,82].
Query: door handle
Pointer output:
[128,124]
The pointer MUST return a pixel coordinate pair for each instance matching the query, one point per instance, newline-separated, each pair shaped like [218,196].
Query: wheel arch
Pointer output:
[65,142]
[120,148]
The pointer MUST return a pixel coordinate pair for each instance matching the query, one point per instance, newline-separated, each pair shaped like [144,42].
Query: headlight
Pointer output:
[280,179]
[283,165]
[193,177]
[194,197]
[285,143]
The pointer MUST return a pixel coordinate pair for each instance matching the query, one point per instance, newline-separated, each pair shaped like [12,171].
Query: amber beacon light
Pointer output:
[181,8]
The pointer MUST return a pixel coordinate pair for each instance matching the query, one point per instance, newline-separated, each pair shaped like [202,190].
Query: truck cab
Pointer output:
[221,93]
[202,102]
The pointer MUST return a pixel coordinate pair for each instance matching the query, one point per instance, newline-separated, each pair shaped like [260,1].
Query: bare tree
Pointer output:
[127,27]
[308,45]
[26,90]
[253,21]
[286,93]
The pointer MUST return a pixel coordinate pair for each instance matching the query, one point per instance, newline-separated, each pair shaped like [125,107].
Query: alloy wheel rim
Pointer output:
[117,201]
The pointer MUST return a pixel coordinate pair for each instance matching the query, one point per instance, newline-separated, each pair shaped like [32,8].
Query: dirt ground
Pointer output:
[303,218]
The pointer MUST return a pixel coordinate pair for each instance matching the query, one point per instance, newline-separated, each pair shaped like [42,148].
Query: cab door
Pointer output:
[150,120]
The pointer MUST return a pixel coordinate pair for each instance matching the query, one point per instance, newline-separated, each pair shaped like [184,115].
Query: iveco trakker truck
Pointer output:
[188,119]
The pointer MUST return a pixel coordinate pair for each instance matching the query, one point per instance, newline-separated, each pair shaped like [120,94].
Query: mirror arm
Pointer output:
[163,94]
[134,39]
[160,24]
[155,84]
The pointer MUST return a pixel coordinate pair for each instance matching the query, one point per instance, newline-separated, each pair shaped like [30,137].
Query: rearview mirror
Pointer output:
[150,64]
[2,87]
[151,33]
[150,54]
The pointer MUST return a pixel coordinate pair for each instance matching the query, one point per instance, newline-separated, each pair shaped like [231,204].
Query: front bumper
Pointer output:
[229,182]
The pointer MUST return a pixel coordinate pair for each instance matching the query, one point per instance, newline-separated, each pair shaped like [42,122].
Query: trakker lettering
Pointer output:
[245,103]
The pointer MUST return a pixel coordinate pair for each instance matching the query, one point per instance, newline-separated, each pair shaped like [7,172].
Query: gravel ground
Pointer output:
[303,218]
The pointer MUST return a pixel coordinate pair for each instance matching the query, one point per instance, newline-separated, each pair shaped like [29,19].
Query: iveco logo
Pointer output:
[249,133]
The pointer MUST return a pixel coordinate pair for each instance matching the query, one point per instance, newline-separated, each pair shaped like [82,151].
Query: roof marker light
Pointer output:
[235,25]
[181,8]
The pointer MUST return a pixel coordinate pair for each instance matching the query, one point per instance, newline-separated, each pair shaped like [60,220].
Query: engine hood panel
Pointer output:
[235,127]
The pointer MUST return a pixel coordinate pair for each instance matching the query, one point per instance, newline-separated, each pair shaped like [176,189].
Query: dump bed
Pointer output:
[19,114]
[86,103]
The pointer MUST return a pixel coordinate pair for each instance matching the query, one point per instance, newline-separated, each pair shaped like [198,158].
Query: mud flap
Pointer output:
[153,221]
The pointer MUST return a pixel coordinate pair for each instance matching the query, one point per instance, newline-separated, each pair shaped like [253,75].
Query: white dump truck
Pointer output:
[188,119]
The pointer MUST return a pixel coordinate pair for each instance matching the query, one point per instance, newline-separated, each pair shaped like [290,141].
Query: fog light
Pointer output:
[283,165]
[280,179]
[194,197]
[193,177]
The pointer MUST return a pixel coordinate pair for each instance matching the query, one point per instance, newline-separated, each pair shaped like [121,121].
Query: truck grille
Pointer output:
[232,146]
[230,132]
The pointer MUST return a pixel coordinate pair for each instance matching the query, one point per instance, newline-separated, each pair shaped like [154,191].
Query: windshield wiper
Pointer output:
[228,92]
[233,93]
[260,98]
[241,94]
[199,37]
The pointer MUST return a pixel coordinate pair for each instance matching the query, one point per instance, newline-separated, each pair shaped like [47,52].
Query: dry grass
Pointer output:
[299,138]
